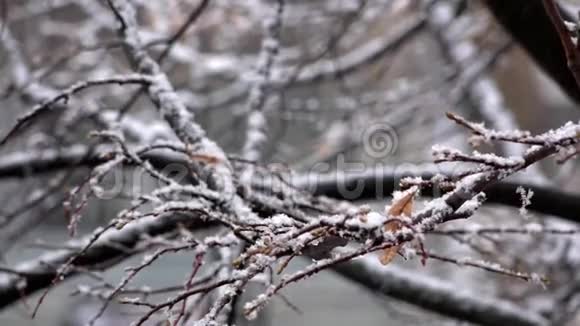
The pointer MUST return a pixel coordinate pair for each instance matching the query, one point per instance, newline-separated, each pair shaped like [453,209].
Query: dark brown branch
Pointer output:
[436,295]
[569,48]
[529,24]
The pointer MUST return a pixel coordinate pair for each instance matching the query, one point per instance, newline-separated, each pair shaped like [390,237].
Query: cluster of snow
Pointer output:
[525,196]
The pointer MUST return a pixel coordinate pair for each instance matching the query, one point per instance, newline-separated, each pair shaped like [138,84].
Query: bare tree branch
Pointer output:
[436,295]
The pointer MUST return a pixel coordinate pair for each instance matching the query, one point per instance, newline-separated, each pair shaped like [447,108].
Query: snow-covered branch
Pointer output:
[212,135]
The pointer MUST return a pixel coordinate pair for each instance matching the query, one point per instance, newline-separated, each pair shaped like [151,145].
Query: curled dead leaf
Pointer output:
[402,206]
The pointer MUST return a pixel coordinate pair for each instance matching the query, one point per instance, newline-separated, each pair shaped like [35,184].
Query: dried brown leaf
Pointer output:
[401,206]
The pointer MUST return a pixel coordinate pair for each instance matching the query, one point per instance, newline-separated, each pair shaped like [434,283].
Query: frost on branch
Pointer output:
[219,118]
[276,239]
[526,197]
